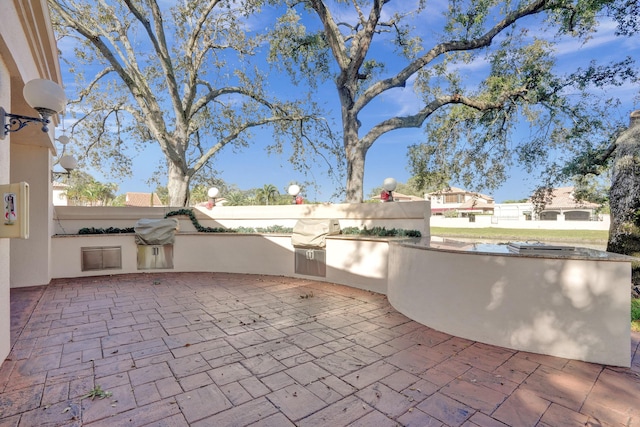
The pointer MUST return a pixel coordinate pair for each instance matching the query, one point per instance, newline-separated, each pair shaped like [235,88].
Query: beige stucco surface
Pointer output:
[571,308]
[354,262]
[27,51]
[414,216]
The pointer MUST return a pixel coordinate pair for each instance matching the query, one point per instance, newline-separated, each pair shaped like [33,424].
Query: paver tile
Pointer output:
[388,401]
[241,415]
[263,365]
[58,414]
[229,373]
[445,409]
[184,349]
[522,408]
[474,395]
[275,420]
[15,402]
[416,418]
[235,393]
[307,373]
[120,400]
[295,401]
[202,403]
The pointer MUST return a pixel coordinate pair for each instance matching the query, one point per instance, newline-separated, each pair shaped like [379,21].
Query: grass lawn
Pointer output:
[635,315]
[594,236]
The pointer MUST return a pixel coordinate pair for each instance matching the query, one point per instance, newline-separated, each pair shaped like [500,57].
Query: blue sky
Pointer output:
[252,167]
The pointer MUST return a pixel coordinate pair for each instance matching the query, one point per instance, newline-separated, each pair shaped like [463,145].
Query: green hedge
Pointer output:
[375,231]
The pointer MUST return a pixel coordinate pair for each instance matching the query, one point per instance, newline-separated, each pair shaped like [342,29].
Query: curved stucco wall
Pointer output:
[355,262]
[571,308]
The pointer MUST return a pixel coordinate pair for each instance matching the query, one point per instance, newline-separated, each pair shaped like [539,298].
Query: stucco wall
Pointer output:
[5,310]
[360,263]
[406,215]
[571,308]
[30,257]
[27,51]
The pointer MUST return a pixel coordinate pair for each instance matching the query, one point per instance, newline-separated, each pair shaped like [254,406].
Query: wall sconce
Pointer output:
[44,96]
[293,191]
[212,193]
[389,185]
[67,161]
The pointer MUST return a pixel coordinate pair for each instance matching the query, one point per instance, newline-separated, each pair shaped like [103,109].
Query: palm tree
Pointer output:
[236,198]
[267,193]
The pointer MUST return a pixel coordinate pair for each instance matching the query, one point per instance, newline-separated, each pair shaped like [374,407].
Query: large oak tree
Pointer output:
[372,49]
[177,76]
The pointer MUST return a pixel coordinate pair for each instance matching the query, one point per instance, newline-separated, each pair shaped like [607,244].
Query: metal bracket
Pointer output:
[15,122]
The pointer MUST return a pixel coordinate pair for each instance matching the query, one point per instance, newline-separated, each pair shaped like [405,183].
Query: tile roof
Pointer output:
[562,197]
[142,199]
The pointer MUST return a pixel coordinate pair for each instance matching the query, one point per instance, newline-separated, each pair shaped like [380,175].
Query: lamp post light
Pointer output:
[293,191]
[389,185]
[44,96]
[67,161]
[212,193]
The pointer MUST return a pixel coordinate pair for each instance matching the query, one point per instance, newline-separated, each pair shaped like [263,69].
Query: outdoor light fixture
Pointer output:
[212,193]
[293,191]
[67,161]
[44,96]
[389,185]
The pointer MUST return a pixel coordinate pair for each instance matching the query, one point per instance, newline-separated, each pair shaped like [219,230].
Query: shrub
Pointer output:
[381,232]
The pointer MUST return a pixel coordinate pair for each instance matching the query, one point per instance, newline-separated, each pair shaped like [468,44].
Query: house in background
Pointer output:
[142,199]
[462,201]
[59,194]
[563,205]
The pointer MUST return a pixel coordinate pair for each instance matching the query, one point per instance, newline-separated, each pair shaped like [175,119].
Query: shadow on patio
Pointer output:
[213,349]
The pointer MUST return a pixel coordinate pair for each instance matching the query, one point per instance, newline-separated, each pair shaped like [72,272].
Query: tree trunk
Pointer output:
[355,169]
[178,186]
[353,148]
[624,196]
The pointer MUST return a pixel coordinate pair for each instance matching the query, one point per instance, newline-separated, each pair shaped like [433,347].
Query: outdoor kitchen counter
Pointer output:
[572,305]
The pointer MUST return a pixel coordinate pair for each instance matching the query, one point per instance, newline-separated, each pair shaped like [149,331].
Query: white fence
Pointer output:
[485,221]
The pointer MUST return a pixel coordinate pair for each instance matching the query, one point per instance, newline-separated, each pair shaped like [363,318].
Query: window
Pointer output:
[453,198]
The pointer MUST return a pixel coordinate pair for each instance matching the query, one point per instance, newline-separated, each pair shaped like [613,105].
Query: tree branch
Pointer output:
[400,79]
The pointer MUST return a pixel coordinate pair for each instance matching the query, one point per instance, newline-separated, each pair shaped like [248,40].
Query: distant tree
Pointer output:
[236,198]
[624,195]
[517,201]
[176,74]
[471,117]
[163,194]
[85,190]
[618,156]
[198,194]
[268,193]
[120,200]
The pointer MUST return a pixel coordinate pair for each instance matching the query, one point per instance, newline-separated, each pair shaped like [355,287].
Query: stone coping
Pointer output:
[452,245]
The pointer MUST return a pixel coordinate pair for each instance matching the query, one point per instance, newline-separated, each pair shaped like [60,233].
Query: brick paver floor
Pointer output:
[211,349]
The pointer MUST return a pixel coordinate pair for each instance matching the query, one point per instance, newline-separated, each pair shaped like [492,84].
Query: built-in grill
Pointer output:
[309,241]
[155,238]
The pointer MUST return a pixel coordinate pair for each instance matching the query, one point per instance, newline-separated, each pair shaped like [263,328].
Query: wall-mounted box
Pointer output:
[101,258]
[311,262]
[151,257]
[15,210]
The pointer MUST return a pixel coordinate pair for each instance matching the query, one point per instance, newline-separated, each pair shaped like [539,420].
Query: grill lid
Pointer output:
[155,231]
[311,233]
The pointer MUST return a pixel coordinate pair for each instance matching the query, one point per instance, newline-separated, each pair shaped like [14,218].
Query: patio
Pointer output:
[212,349]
